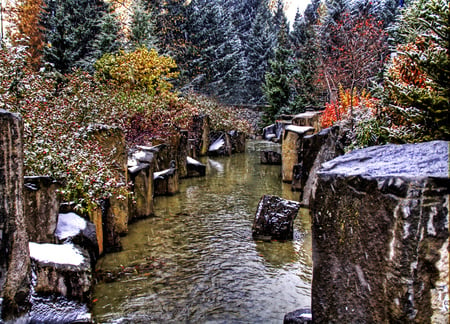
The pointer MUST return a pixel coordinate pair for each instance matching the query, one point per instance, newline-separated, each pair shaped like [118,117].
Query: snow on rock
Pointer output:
[193,161]
[56,253]
[299,129]
[217,145]
[69,225]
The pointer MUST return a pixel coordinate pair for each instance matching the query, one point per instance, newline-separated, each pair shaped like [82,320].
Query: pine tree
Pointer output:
[109,39]
[262,40]
[71,28]
[277,80]
[304,92]
[142,27]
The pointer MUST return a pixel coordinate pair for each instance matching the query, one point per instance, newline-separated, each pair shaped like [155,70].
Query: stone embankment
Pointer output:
[47,251]
[379,224]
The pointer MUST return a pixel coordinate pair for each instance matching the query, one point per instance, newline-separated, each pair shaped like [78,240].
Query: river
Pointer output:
[196,260]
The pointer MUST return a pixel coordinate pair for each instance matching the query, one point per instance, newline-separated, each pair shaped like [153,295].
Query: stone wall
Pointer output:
[14,252]
[380,236]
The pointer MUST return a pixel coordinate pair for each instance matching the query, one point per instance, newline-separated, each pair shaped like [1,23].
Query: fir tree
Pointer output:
[71,28]
[142,28]
[277,80]
[262,40]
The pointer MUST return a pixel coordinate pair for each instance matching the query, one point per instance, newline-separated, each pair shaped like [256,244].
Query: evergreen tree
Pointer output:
[109,38]
[418,79]
[304,92]
[142,28]
[277,87]
[71,28]
[262,40]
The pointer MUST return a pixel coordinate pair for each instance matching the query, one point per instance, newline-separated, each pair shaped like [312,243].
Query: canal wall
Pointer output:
[43,238]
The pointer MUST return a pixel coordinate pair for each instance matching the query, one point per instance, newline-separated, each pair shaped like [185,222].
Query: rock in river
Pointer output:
[274,219]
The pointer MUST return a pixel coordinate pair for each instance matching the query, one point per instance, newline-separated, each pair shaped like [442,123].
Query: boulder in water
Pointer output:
[274,219]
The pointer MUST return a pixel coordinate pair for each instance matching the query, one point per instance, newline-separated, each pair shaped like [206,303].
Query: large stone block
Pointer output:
[274,219]
[14,252]
[199,133]
[291,148]
[62,269]
[380,236]
[115,210]
[308,118]
[41,208]
[142,179]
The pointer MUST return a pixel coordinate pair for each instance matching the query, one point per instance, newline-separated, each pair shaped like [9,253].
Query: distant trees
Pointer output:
[71,29]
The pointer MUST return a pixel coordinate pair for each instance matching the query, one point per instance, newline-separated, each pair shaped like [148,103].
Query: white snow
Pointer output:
[192,161]
[69,225]
[161,174]
[56,253]
[220,142]
[299,129]
[139,155]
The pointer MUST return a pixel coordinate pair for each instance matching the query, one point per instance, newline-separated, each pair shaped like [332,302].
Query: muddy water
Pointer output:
[196,262]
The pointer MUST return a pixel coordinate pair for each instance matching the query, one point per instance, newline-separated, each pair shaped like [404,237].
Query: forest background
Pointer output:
[380,67]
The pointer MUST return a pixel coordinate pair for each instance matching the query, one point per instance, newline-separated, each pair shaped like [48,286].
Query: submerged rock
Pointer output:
[380,236]
[274,219]
[270,157]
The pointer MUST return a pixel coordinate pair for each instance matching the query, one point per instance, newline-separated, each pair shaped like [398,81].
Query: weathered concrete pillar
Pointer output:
[14,252]
[291,147]
[41,208]
[380,236]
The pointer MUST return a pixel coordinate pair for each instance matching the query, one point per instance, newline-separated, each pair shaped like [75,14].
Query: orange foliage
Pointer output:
[27,30]
[340,109]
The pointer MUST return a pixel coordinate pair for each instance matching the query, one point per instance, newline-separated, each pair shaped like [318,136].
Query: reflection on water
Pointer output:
[196,261]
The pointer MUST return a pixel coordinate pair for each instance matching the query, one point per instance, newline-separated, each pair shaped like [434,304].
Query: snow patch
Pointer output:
[217,145]
[192,161]
[56,253]
[69,225]
[299,129]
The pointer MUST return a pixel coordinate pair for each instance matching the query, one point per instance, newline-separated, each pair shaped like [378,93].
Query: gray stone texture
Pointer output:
[41,208]
[380,236]
[14,252]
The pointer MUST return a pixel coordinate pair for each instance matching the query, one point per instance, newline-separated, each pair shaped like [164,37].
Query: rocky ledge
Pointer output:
[380,236]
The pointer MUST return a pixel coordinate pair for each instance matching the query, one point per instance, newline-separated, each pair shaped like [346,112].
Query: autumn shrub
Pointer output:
[417,82]
[56,111]
[141,69]
[340,109]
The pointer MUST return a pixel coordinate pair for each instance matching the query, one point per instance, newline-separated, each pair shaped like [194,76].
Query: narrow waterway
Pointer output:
[196,261]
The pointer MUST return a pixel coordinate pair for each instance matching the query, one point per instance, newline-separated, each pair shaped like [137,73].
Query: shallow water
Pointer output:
[196,261]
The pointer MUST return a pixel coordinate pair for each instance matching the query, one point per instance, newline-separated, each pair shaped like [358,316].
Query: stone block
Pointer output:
[308,118]
[14,252]
[291,148]
[142,186]
[41,208]
[274,219]
[195,168]
[166,182]
[380,236]
[61,269]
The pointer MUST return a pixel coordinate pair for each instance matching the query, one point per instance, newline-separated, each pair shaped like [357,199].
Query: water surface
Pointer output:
[196,261]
